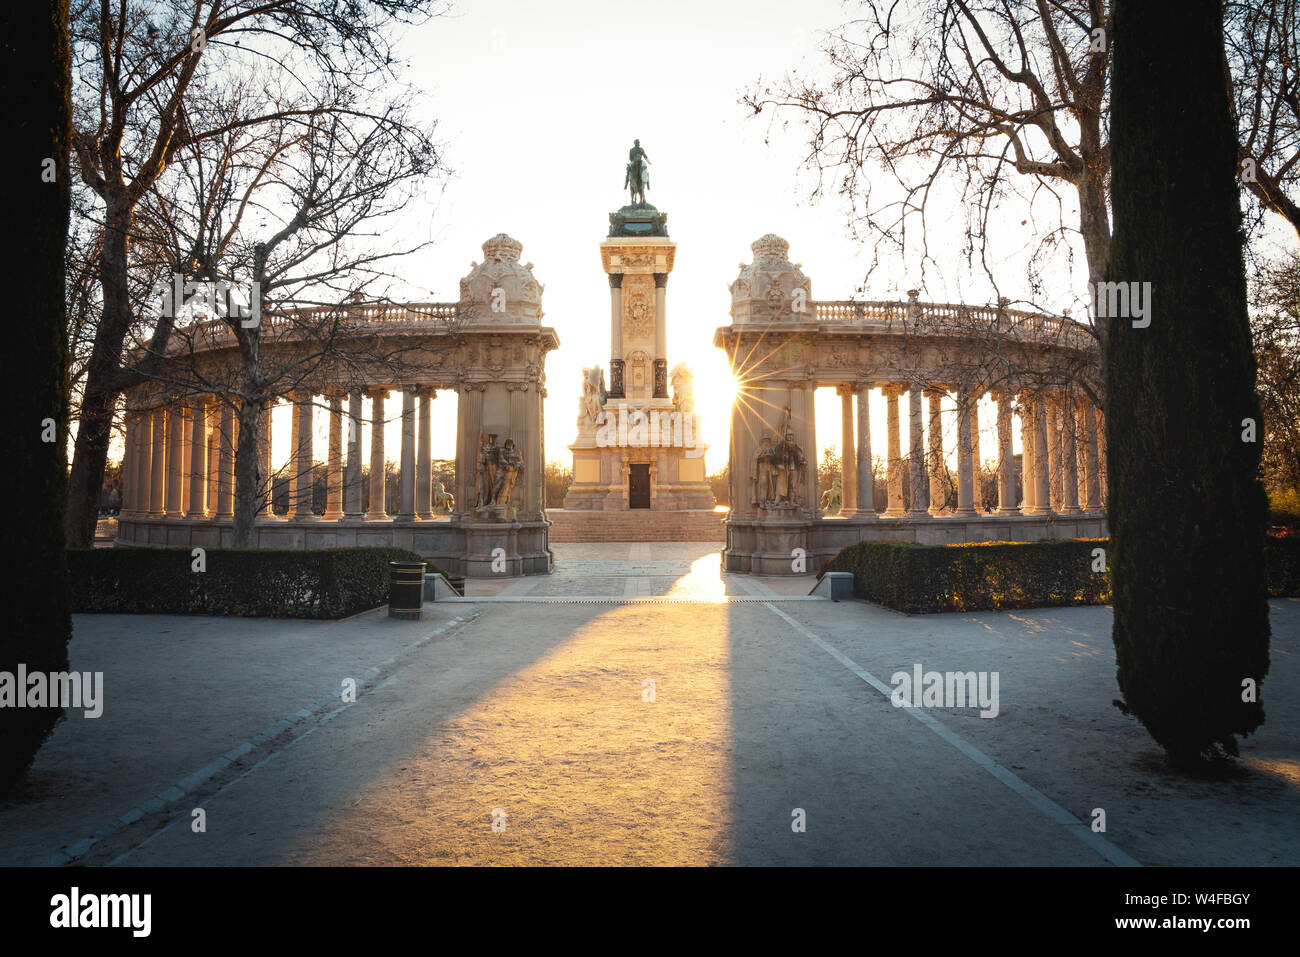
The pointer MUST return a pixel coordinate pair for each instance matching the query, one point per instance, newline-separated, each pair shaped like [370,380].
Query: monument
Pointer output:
[638,446]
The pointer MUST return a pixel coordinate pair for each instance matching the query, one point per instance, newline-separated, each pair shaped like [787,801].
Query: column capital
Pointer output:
[377,391]
[616,280]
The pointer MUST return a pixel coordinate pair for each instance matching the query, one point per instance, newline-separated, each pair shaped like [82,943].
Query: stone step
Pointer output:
[641,525]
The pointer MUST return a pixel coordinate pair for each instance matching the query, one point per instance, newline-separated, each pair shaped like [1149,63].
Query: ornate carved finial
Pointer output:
[502,249]
[770,247]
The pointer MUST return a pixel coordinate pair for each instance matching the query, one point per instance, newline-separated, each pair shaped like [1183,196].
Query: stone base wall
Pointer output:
[637,525]
[457,547]
[768,548]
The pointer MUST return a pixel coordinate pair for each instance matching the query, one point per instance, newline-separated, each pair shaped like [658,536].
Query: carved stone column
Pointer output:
[301,456]
[965,447]
[186,456]
[214,452]
[406,485]
[424,458]
[377,512]
[334,464]
[1091,458]
[1026,453]
[848,457]
[1053,408]
[934,442]
[1042,480]
[976,472]
[864,486]
[227,443]
[892,391]
[175,461]
[158,476]
[1069,457]
[264,447]
[352,477]
[197,509]
[469,423]
[916,454]
[661,336]
[616,389]
[1006,457]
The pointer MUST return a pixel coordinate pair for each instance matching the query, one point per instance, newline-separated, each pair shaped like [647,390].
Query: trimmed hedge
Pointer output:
[269,583]
[924,579]
[1282,566]
[978,576]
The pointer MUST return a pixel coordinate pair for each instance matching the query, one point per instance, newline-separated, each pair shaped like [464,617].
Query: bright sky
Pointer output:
[537,105]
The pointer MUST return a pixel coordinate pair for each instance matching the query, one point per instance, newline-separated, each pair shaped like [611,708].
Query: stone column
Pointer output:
[864,485]
[424,458]
[226,462]
[352,478]
[1027,453]
[1042,482]
[214,449]
[916,454]
[892,391]
[175,461]
[517,406]
[1006,457]
[158,476]
[965,478]
[377,512]
[976,473]
[187,419]
[848,456]
[128,465]
[616,387]
[1053,405]
[938,467]
[469,424]
[1090,457]
[264,448]
[1069,458]
[406,485]
[300,474]
[661,336]
[198,461]
[334,464]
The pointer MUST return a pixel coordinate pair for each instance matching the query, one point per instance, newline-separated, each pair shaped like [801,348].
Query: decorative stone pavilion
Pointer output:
[489,347]
[783,345]
[638,447]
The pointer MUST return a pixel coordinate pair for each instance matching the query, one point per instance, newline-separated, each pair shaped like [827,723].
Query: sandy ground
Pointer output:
[635,707]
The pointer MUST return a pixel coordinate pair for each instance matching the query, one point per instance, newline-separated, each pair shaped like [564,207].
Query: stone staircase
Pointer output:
[638,525]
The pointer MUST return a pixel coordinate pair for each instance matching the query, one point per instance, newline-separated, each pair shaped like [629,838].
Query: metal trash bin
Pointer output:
[405,589]
[458,585]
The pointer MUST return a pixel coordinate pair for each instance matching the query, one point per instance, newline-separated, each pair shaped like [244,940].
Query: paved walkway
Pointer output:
[636,707]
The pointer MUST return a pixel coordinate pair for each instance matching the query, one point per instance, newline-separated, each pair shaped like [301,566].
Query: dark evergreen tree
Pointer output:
[1186,508]
[34,37]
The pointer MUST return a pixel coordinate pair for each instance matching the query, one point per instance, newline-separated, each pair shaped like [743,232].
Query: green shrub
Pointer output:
[269,583]
[977,576]
[924,579]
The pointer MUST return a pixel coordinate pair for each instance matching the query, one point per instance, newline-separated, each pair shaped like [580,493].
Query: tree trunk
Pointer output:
[249,481]
[38,624]
[102,385]
[1187,513]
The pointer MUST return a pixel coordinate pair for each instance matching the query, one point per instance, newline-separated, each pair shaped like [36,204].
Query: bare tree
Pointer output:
[140,73]
[286,210]
[1262,43]
[1003,96]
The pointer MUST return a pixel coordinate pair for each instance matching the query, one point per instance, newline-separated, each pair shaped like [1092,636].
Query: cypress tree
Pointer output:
[1187,511]
[38,625]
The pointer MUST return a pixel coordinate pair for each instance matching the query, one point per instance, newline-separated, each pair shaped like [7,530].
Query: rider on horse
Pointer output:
[637,175]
